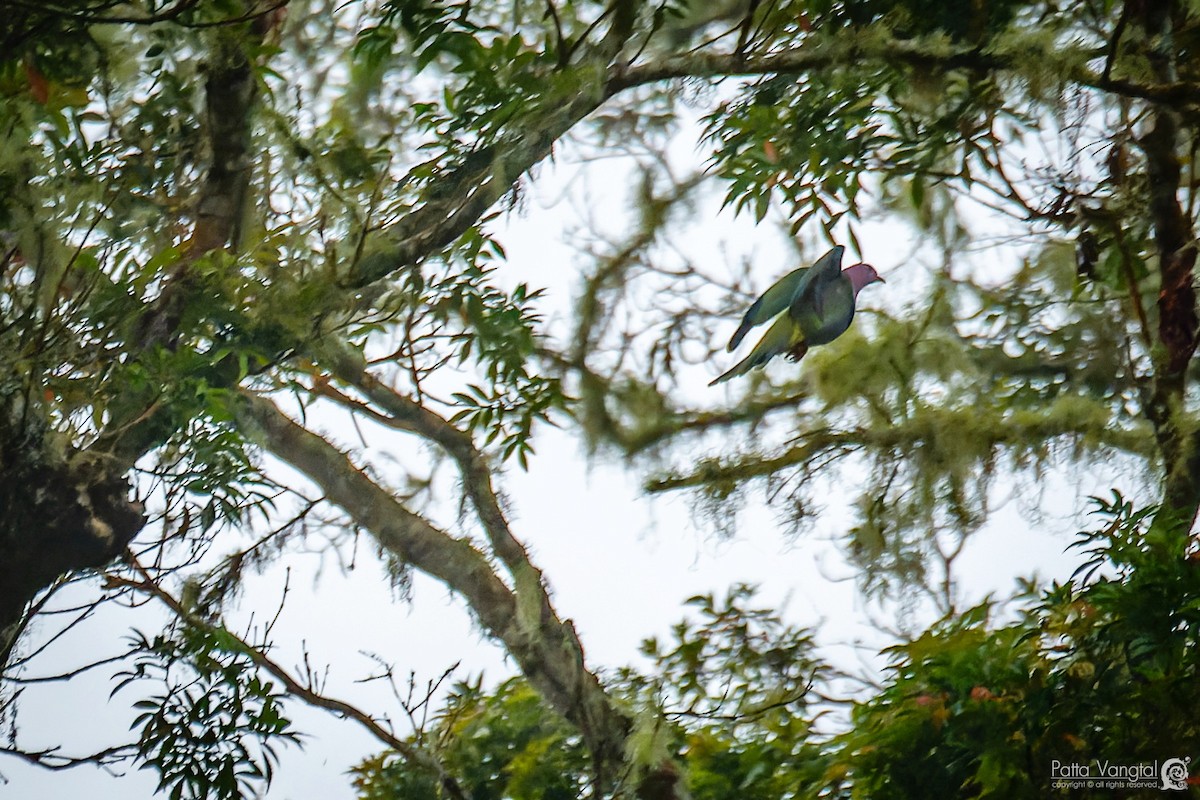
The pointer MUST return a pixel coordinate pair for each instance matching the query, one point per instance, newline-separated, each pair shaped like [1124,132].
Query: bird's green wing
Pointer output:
[773,301]
[781,337]
[784,292]
[807,296]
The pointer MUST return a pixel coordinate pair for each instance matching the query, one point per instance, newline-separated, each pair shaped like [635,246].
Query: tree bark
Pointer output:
[1177,320]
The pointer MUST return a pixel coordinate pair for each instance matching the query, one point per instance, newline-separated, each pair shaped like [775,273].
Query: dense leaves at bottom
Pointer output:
[1101,669]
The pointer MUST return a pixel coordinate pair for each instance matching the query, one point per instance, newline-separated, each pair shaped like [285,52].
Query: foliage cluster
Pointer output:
[1102,668]
[214,728]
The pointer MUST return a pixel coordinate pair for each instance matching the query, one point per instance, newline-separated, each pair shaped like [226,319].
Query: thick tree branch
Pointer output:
[1175,241]
[906,437]
[546,648]
[852,53]
[58,512]
[404,414]
[84,517]
[469,192]
[530,589]
[229,93]
[473,188]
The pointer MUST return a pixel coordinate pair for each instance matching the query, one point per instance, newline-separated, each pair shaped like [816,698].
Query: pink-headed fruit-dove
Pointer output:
[815,305]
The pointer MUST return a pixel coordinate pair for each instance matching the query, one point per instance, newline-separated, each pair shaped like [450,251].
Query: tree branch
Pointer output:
[404,414]
[53,760]
[546,648]
[834,53]
[473,188]
[1177,319]
[903,436]
[229,93]
[297,689]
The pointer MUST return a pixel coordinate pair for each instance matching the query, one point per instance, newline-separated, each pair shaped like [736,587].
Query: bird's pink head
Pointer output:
[861,275]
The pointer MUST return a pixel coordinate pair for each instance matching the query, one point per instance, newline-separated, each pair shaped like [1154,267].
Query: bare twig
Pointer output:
[296,688]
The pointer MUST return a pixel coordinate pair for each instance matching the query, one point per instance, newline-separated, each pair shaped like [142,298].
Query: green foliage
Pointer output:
[806,140]
[214,729]
[736,661]
[738,683]
[497,744]
[734,685]
[212,464]
[497,332]
[950,722]
[817,141]
[1101,668]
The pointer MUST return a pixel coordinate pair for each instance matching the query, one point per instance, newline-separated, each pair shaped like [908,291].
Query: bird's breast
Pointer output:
[828,313]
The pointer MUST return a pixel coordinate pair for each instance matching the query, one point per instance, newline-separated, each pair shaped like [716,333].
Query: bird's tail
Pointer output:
[758,357]
[740,368]
[782,337]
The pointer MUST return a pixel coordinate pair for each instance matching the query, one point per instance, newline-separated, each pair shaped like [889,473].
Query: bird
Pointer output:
[815,305]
